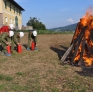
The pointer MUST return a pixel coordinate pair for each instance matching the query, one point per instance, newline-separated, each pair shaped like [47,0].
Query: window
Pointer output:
[10,7]
[5,4]
[6,20]
[10,20]
[14,9]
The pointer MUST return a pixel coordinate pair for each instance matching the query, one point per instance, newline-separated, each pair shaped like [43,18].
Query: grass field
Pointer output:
[40,71]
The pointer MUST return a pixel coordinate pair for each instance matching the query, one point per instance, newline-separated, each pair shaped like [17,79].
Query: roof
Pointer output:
[16,4]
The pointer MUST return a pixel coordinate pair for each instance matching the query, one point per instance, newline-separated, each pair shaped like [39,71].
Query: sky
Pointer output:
[54,13]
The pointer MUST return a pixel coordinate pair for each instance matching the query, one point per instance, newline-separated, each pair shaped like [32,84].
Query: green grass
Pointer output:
[2,87]
[3,59]
[66,66]
[19,73]
[54,90]
[6,77]
[53,32]
[48,32]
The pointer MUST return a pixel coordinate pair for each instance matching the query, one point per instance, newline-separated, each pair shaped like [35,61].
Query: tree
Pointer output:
[36,24]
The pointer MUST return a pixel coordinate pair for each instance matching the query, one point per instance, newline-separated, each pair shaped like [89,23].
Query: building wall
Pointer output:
[10,14]
[0,6]
[1,20]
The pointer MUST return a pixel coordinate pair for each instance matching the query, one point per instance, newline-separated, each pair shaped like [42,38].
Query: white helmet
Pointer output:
[35,33]
[11,33]
[21,34]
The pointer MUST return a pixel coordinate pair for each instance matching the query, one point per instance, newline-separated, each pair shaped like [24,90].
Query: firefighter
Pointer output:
[16,39]
[4,41]
[4,28]
[32,36]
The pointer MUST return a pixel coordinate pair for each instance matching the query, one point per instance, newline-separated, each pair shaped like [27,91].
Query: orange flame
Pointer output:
[86,19]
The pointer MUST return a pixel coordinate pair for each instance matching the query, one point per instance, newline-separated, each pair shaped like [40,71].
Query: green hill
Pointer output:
[71,27]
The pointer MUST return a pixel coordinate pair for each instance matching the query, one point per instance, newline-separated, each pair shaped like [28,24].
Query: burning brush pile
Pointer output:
[80,51]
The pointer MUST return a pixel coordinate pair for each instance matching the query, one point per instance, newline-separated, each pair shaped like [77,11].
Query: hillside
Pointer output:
[65,28]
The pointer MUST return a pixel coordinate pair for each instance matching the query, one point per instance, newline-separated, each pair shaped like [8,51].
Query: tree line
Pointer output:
[36,24]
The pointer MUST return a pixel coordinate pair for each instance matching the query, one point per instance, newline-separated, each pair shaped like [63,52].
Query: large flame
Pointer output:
[87,56]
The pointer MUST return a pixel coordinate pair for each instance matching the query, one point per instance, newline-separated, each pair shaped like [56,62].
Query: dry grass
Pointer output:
[40,71]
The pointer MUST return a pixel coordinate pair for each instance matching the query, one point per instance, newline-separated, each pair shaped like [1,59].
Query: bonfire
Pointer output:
[80,51]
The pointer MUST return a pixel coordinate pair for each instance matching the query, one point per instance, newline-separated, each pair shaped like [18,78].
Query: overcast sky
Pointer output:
[54,13]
